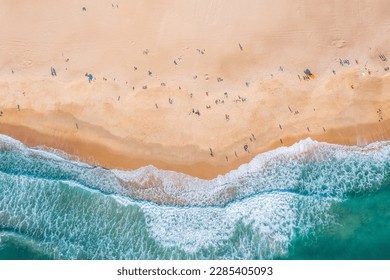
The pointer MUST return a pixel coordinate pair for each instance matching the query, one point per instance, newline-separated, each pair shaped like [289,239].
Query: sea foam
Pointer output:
[79,211]
[307,167]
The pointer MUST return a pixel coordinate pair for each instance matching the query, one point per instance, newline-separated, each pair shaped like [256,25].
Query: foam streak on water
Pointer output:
[71,210]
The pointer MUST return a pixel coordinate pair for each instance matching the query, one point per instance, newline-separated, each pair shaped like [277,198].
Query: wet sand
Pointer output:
[199,87]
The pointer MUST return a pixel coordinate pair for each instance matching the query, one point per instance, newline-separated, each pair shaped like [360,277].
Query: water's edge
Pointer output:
[273,207]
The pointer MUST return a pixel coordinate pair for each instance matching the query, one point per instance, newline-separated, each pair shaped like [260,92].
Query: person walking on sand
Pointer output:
[254,138]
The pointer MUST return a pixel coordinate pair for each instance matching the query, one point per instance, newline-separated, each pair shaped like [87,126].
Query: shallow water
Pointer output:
[308,201]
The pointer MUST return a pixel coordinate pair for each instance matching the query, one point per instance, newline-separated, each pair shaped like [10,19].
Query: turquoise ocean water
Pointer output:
[308,201]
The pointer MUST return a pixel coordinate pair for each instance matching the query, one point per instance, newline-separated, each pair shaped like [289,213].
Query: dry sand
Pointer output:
[255,51]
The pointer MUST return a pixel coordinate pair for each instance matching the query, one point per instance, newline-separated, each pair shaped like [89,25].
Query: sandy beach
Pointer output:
[198,87]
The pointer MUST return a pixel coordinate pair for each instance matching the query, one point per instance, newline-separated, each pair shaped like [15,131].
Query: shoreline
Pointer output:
[103,156]
[202,99]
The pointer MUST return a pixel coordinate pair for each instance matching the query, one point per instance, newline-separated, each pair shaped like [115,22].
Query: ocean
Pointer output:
[309,201]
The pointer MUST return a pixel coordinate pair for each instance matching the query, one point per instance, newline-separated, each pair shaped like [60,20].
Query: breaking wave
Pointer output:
[72,210]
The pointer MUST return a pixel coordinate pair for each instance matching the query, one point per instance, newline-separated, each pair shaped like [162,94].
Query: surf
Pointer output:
[76,211]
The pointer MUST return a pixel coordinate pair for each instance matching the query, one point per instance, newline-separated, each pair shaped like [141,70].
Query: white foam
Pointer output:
[275,195]
[270,171]
[8,142]
[272,217]
[274,170]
